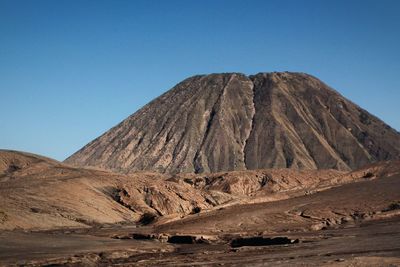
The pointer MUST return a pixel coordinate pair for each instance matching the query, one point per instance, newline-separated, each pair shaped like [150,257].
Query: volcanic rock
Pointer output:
[223,122]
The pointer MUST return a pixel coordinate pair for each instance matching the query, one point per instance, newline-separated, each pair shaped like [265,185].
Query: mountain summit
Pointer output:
[230,121]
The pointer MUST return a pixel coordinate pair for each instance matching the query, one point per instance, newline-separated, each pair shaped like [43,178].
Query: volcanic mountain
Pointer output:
[230,121]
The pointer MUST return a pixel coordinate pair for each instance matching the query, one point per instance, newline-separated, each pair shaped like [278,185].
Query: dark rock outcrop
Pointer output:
[262,241]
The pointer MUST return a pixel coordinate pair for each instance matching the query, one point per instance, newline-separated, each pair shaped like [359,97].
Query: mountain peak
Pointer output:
[230,121]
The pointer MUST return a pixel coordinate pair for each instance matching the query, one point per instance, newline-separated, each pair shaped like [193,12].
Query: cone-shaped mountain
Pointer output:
[230,121]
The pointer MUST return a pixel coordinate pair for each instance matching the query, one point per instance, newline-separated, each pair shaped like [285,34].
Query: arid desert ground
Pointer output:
[52,213]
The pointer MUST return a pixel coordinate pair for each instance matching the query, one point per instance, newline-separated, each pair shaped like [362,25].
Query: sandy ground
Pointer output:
[374,243]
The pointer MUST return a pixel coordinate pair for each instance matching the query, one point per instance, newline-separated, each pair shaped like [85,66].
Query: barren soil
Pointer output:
[55,214]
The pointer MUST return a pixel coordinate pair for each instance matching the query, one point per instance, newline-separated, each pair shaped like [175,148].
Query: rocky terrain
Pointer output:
[226,122]
[40,193]
[53,213]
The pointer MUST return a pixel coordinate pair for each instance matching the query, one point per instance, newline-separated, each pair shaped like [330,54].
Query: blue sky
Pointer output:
[70,70]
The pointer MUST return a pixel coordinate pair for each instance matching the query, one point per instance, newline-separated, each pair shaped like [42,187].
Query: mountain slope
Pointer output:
[230,121]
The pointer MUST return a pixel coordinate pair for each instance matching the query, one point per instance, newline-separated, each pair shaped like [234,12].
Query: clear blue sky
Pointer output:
[70,70]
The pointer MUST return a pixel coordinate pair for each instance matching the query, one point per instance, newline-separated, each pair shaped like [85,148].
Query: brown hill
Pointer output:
[221,122]
[40,193]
